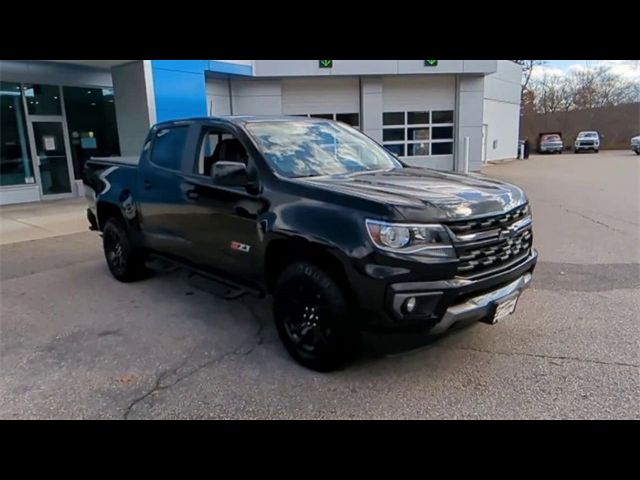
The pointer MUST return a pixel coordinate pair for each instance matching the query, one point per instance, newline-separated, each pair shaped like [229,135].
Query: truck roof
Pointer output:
[240,119]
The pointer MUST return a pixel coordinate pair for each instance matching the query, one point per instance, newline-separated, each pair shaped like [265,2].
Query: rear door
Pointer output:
[162,202]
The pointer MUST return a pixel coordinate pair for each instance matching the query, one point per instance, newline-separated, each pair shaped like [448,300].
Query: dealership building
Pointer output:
[444,114]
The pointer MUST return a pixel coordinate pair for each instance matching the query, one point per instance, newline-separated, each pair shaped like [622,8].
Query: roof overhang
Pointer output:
[101,64]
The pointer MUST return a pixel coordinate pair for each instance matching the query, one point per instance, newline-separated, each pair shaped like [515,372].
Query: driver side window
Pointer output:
[218,145]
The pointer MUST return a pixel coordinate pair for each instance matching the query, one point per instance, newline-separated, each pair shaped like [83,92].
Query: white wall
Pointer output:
[418,93]
[320,95]
[372,101]
[502,128]
[19,194]
[308,68]
[135,105]
[256,97]
[218,99]
[502,110]
[469,120]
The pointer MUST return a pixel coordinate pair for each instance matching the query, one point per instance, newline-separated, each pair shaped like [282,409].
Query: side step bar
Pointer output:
[202,280]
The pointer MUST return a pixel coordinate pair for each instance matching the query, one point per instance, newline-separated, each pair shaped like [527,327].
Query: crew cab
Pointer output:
[342,233]
[587,141]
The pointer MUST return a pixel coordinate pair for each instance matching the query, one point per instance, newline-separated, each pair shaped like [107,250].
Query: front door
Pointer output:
[53,163]
[223,227]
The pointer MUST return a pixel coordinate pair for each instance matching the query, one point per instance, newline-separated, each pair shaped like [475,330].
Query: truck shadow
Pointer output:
[247,315]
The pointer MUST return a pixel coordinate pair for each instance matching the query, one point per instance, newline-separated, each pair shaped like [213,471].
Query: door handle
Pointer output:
[192,194]
[147,184]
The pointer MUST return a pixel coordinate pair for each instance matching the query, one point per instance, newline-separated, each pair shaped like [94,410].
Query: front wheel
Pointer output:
[313,318]
[125,262]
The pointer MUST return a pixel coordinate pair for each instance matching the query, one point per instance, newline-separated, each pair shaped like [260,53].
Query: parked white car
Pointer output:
[587,141]
[635,144]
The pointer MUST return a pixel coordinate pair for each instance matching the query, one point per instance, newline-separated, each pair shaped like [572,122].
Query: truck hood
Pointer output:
[421,194]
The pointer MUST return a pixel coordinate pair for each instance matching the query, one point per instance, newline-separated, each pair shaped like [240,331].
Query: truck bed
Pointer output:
[129,161]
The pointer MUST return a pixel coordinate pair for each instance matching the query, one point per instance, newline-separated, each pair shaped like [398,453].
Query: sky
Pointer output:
[629,69]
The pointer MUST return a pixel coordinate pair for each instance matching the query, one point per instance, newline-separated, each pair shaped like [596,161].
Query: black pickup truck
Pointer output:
[342,233]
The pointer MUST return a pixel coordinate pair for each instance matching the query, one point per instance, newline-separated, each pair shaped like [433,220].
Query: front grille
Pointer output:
[586,143]
[482,224]
[486,245]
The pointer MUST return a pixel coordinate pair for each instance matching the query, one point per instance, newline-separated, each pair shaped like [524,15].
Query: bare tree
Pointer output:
[551,94]
[592,87]
[600,87]
[527,70]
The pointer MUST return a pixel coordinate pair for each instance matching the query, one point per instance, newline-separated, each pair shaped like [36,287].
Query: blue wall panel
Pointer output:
[232,68]
[179,88]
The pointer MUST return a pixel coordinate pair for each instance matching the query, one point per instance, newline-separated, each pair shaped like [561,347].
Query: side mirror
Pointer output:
[230,174]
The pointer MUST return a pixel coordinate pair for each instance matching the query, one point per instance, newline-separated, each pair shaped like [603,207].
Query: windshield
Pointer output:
[587,135]
[551,138]
[308,149]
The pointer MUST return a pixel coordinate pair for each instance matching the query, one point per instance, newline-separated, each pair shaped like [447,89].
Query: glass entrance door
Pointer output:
[52,157]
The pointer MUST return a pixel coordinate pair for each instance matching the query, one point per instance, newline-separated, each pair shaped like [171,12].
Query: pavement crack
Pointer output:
[540,355]
[258,339]
[593,220]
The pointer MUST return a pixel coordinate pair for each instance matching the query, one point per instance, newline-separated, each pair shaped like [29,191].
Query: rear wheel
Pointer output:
[313,318]
[125,262]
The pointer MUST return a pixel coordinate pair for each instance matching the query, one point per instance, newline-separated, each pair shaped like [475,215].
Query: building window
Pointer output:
[418,133]
[15,161]
[43,99]
[91,119]
[352,119]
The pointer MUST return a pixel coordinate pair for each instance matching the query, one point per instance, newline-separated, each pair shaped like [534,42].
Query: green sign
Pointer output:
[431,63]
[325,63]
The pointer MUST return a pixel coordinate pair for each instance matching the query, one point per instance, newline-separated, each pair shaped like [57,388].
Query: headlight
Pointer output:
[427,240]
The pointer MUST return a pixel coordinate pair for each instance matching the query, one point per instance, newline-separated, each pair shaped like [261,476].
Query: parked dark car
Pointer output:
[343,234]
[635,145]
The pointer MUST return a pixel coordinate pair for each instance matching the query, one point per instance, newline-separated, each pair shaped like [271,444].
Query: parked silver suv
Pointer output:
[587,141]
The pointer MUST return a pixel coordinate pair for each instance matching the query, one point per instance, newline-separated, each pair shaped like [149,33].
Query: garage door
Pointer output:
[418,119]
[333,98]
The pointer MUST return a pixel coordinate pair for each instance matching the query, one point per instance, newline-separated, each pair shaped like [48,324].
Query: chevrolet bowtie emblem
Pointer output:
[509,231]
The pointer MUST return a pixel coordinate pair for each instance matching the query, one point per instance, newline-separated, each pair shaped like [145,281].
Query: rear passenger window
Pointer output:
[168,147]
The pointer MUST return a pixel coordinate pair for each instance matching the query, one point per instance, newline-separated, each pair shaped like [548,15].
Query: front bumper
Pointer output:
[551,148]
[441,303]
[482,306]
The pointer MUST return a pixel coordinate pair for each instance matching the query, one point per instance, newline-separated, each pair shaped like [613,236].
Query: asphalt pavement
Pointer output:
[75,343]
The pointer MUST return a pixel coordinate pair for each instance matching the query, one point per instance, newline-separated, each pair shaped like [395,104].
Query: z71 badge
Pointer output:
[240,247]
